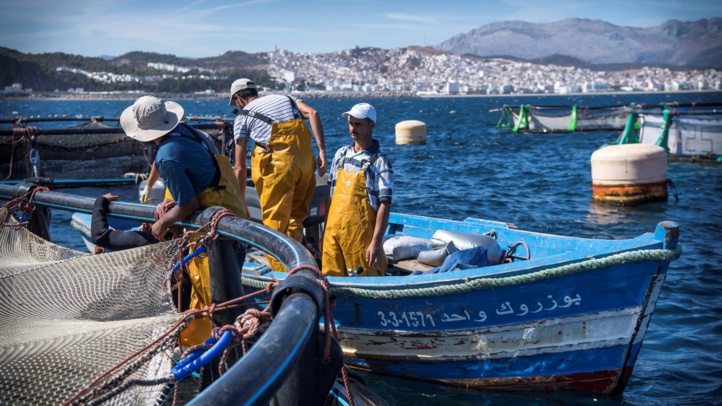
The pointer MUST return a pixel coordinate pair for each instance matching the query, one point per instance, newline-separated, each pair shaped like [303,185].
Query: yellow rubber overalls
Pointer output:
[227,195]
[283,173]
[349,228]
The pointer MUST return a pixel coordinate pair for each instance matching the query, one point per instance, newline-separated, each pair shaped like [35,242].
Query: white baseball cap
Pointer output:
[241,84]
[362,110]
[150,118]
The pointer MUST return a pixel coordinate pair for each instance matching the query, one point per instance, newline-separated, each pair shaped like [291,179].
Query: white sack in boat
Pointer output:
[464,241]
[436,257]
[398,248]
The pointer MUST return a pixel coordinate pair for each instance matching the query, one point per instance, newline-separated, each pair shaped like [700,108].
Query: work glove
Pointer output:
[145,194]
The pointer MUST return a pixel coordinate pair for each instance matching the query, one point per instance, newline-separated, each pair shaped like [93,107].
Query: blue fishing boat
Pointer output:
[550,312]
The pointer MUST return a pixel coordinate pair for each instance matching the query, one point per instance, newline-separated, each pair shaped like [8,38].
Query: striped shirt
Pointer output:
[379,175]
[275,106]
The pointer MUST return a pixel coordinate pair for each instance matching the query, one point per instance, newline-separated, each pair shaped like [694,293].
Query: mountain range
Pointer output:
[591,44]
[673,43]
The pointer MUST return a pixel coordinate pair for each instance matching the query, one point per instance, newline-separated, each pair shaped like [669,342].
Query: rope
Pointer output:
[24,204]
[163,208]
[244,329]
[201,245]
[105,386]
[139,177]
[133,361]
[160,210]
[509,254]
[468,285]
[211,225]
[20,133]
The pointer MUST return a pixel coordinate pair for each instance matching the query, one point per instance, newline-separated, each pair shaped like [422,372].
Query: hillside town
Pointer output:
[408,69]
[425,72]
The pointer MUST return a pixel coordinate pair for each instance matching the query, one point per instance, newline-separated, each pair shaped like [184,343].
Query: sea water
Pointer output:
[538,182]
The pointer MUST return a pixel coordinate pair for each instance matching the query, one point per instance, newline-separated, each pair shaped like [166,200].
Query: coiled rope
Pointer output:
[468,285]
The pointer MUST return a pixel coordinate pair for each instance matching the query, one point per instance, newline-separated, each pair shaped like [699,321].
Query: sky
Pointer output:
[207,28]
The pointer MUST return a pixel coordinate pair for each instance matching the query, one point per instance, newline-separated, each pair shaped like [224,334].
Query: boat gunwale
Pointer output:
[595,250]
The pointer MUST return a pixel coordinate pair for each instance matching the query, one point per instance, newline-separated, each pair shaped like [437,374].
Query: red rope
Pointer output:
[212,234]
[177,326]
[246,325]
[23,204]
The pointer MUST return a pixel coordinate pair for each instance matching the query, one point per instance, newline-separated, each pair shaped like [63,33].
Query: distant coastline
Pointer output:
[313,95]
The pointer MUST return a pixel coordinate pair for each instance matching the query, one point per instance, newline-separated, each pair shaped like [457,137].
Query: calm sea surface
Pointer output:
[539,182]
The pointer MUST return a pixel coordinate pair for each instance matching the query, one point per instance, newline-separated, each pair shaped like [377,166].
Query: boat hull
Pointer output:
[571,320]
[588,351]
[559,335]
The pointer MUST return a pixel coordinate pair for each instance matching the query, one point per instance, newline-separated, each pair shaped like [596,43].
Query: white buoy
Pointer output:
[629,174]
[411,132]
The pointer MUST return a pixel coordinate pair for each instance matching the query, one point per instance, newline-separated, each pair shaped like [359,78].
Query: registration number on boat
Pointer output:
[409,319]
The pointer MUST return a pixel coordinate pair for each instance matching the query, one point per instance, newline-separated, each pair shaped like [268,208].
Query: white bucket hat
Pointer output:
[361,110]
[150,118]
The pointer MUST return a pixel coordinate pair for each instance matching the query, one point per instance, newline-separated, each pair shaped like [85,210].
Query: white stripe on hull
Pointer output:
[575,333]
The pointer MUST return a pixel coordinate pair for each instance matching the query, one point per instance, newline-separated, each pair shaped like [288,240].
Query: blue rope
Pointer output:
[198,358]
[190,256]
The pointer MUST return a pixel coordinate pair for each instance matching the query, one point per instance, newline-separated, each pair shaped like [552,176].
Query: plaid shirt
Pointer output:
[379,175]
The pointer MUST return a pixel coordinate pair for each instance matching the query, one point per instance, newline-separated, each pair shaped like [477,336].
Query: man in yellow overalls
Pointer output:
[195,178]
[361,181]
[282,161]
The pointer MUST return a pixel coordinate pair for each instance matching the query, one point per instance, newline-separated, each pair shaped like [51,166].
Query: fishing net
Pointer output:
[68,317]
[105,155]
[60,151]
[585,120]
[688,135]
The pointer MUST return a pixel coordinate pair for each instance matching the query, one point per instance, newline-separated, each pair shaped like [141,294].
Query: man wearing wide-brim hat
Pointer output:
[196,179]
[187,167]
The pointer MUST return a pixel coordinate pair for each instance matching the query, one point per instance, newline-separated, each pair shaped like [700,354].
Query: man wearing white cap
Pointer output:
[361,181]
[282,160]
